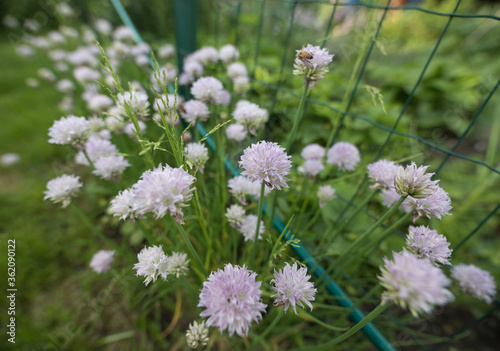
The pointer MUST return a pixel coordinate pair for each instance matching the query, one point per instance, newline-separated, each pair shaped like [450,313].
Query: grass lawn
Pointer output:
[52,245]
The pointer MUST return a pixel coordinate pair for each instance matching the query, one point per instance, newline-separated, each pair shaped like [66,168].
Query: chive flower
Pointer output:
[232,299]
[62,189]
[414,182]
[475,281]
[427,243]
[292,287]
[312,62]
[413,283]
[266,162]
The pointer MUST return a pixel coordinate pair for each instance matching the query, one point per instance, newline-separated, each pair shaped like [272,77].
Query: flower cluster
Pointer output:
[414,182]
[232,299]
[427,243]
[266,162]
[123,205]
[163,190]
[209,90]
[250,115]
[433,201]
[241,186]
[62,189]
[197,155]
[413,283]
[102,260]
[312,62]
[134,101]
[194,110]
[179,264]
[292,287]
[325,193]
[197,335]
[475,281]
[382,174]
[235,214]
[69,130]
[248,227]
[153,263]
[344,155]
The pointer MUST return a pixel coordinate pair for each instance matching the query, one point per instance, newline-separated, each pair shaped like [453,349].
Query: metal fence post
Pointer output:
[185,17]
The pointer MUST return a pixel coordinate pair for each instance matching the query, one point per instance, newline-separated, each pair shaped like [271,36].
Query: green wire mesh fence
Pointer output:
[290,26]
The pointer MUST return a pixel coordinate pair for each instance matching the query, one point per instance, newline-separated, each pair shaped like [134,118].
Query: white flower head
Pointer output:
[197,335]
[312,168]
[136,101]
[382,174]
[86,75]
[108,167]
[344,155]
[179,264]
[427,243]
[164,190]
[313,152]
[123,205]
[166,51]
[414,283]
[236,69]
[312,62]
[228,53]
[69,130]
[266,162]
[153,263]
[193,68]
[207,89]
[475,281]
[236,132]
[194,110]
[292,287]
[102,260]
[235,214]
[248,227]
[325,193]
[414,182]
[250,115]
[197,155]
[62,189]
[232,299]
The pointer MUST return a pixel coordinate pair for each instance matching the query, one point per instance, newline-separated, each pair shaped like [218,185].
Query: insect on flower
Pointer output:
[304,55]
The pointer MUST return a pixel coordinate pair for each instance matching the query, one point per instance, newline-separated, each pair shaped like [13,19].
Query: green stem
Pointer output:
[368,318]
[191,249]
[92,227]
[268,265]
[364,298]
[376,241]
[340,261]
[88,158]
[353,214]
[146,232]
[298,117]
[309,317]
[304,204]
[201,220]
[370,230]
[311,222]
[259,216]
[273,323]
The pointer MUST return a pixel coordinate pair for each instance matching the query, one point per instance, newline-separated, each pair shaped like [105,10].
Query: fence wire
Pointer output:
[288,7]
[345,112]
